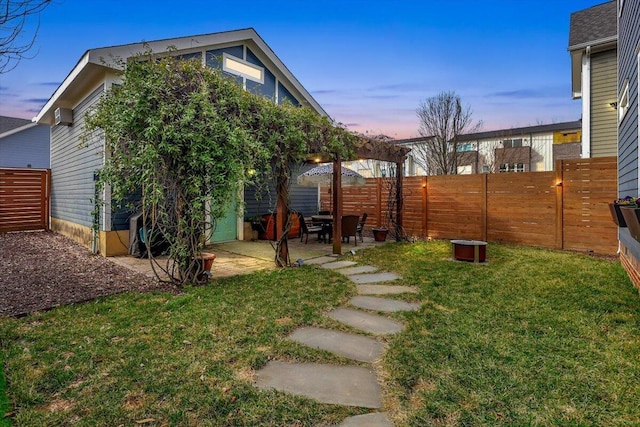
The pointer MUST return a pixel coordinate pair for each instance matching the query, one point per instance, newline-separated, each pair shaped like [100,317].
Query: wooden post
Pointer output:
[483,209]
[378,202]
[559,184]
[282,215]
[425,223]
[337,206]
[399,199]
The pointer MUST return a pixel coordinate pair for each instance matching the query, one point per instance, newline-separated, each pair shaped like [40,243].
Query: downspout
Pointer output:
[586,103]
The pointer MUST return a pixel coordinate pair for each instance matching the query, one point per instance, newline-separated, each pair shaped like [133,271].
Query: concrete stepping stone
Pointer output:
[383,304]
[338,264]
[357,270]
[352,346]
[319,260]
[367,322]
[373,277]
[340,385]
[377,419]
[385,289]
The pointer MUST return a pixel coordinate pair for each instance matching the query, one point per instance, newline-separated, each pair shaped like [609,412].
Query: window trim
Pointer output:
[623,102]
[227,59]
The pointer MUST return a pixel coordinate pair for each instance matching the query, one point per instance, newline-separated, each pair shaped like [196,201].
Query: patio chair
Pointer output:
[308,228]
[361,226]
[349,227]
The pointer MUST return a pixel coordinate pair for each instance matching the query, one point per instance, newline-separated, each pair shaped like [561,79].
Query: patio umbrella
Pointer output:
[323,175]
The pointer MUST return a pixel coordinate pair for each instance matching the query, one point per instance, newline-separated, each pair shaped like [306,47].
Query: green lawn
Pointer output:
[533,338]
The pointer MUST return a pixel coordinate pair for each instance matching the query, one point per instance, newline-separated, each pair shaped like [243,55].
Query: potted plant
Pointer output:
[616,213]
[380,233]
[205,262]
[630,211]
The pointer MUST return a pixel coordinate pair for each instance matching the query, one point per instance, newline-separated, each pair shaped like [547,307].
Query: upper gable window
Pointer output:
[512,143]
[623,103]
[239,67]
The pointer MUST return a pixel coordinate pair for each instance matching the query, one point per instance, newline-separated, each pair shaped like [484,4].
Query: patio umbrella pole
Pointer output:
[337,206]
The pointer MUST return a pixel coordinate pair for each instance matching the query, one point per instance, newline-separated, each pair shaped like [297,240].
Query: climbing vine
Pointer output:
[185,138]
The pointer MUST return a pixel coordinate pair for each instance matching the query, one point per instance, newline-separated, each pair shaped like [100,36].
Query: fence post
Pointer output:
[483,209]
[559,184]
[378,202]
[425,228]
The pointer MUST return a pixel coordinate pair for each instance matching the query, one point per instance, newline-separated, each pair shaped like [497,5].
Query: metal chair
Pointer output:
[361,226]
[308,228]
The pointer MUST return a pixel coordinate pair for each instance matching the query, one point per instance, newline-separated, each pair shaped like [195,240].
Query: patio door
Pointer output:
[227,226]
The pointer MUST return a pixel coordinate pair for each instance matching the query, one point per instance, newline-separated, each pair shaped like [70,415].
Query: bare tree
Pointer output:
[442,119]
[14,44]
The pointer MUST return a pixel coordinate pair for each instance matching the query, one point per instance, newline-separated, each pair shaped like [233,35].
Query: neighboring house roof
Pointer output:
[565,126]
[94,64]
[591,30]
[554,127]
[595,25]
[10,123]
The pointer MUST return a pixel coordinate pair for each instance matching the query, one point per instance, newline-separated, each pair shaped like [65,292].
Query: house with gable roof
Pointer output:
[593,40]
[240,54]
[23,144]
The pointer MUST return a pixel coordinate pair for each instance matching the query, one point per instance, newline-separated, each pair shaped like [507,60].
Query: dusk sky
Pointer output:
[368,63]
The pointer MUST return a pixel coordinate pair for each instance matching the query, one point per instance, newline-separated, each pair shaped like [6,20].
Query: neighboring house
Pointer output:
[628,125]
[525,149]
[241,54]
[593,47]
[23,144]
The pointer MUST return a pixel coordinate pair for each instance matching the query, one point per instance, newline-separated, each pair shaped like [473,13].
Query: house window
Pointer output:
[461,148]
[485,169]
[623,103]
[237,66]
[511,167]
[464,170]
[512,143]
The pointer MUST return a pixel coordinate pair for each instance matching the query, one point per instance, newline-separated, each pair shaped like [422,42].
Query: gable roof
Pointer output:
[595,25]
[11,123]
[95,63]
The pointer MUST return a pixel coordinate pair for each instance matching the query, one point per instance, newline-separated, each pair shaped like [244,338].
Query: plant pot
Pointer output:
[632,219]
[380,234]
[205,261]
[616,215]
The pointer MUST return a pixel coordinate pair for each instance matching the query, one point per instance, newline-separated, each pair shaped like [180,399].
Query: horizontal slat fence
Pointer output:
[24,199]
[564,209]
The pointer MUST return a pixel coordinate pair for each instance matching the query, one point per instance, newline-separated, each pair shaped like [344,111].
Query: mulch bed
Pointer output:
[42,270]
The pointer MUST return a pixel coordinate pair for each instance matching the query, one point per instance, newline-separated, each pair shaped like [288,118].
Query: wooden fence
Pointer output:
[564,209]
[24,199]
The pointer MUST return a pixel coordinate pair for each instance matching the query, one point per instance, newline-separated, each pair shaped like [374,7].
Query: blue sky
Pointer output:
[368,63]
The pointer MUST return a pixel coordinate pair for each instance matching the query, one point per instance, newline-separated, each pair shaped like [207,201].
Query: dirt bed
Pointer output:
[41,270]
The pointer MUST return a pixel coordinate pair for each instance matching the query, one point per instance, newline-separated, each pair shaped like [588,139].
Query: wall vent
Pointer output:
[64,116]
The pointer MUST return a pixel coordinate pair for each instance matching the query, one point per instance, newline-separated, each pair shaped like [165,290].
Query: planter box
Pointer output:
[616,215]
[632,219]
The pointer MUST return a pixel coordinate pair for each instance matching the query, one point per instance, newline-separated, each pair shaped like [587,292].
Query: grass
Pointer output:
[185,360]
[534,338]
[4,400]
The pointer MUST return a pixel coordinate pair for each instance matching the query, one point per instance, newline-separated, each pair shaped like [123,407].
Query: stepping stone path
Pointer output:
[345,385]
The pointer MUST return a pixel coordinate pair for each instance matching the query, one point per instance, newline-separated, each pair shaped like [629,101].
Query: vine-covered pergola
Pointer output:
[360,148]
